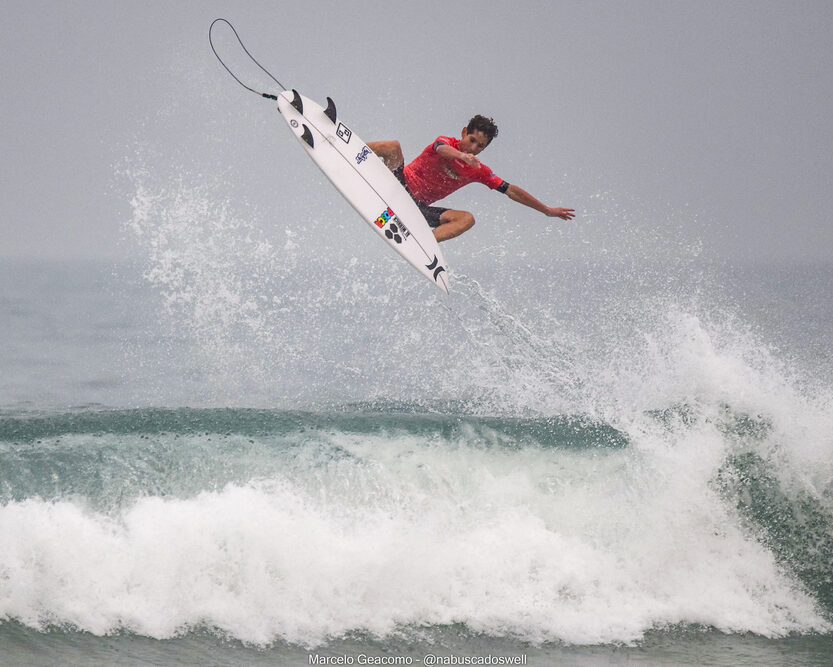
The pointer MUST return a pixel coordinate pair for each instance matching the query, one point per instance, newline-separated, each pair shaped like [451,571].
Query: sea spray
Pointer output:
[584,459]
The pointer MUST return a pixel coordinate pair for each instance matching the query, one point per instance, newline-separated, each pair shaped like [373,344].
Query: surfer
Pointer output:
[447,165]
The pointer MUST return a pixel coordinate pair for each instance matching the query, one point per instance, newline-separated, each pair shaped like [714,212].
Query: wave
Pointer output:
[303,527]
[582,460]
[106,453]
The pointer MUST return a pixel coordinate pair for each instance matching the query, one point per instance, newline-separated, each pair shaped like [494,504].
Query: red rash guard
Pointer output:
[431,177]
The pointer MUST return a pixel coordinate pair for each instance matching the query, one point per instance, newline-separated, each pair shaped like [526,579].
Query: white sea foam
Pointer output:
[539,544]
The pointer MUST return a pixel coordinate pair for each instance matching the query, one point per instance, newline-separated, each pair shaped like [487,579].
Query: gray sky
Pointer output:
[707,121]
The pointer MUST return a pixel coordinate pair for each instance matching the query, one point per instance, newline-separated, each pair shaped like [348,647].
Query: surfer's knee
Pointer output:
[452,224]
[396,158]
[390,152]
[460,220]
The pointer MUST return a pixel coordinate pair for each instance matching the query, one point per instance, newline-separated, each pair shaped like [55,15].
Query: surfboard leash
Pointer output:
[243,46]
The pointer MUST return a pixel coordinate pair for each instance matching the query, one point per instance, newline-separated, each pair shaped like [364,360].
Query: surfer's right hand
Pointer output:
[470,159]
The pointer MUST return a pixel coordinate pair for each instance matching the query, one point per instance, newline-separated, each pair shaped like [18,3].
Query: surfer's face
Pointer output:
[473,142]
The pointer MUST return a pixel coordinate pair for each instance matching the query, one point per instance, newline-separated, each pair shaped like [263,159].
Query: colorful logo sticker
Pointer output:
[382,220]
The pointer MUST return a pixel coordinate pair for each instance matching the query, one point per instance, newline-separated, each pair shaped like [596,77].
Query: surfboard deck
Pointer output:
[364,181]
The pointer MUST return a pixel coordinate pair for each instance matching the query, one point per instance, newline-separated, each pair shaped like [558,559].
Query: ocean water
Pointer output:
[233,451]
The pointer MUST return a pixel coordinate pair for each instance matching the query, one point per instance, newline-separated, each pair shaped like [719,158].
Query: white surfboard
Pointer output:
[364,180]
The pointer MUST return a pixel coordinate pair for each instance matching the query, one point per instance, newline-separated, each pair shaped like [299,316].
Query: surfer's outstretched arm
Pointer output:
[389,151]
[523,197]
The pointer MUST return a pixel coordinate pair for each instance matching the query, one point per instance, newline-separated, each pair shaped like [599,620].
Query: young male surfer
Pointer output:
[447,165]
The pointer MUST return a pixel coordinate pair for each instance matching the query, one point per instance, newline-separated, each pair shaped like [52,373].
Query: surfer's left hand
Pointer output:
[563,213]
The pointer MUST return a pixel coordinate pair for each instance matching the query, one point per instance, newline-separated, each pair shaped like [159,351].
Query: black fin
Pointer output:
[433,264]
[307,136]
[331,110]
[296,101]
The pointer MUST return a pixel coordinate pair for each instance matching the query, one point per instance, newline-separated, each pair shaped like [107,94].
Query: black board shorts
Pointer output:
[432,213]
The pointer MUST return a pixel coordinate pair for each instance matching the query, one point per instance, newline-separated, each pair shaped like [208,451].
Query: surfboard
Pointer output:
[364,181]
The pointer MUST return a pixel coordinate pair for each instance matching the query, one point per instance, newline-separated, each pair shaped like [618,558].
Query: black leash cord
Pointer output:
[243,46]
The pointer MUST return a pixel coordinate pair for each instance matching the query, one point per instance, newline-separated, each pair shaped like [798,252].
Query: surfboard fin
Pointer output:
[296,101]
[331,110]
[307,136]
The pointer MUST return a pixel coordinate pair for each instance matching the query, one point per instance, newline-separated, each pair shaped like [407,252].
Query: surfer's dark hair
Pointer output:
[485,125]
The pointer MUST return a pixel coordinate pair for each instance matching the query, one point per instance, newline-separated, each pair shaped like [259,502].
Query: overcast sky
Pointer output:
[714,119]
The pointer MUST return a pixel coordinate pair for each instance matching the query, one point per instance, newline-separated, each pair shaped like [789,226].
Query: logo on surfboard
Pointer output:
[383,218]
[344,133]
[361,157]
[396,231]
[436,267]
